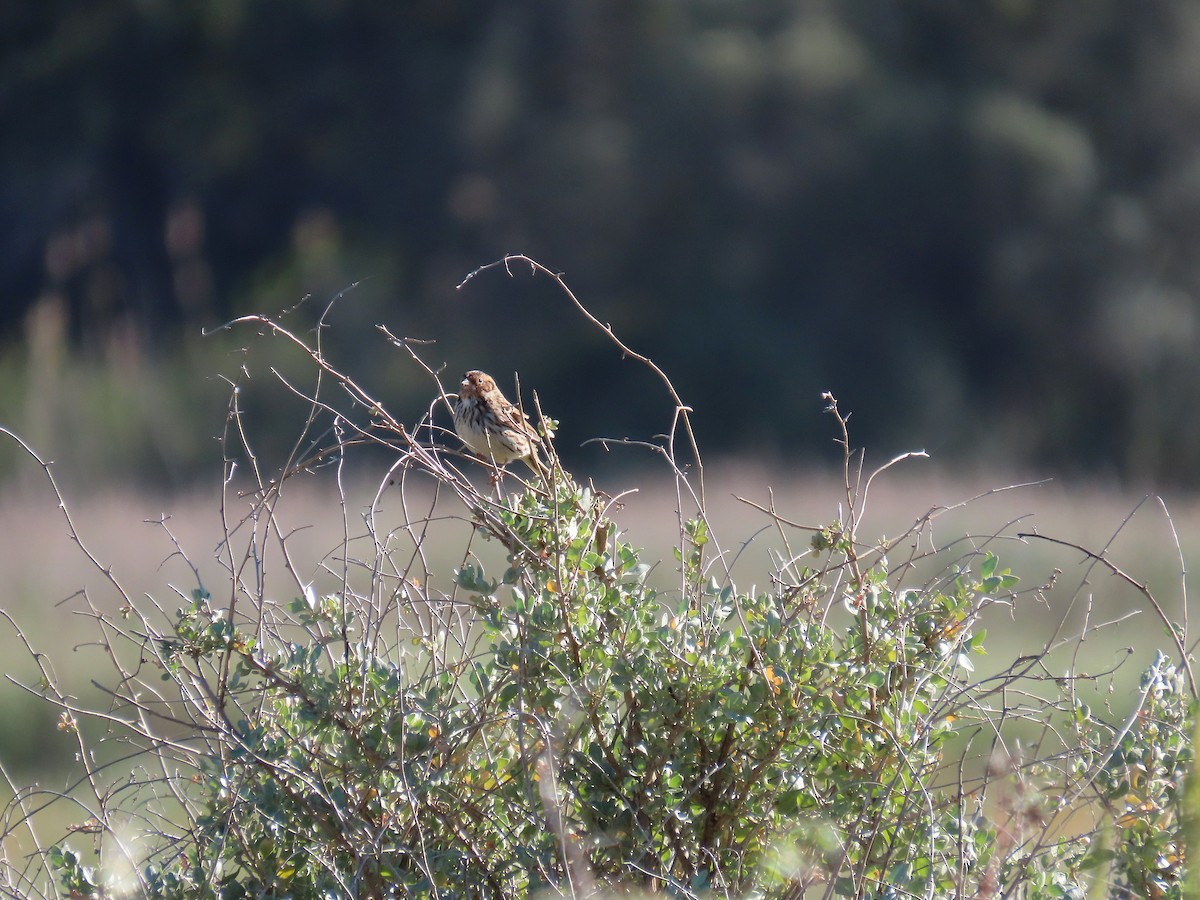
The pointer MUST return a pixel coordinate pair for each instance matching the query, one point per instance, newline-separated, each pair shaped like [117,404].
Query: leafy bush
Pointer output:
[565,723]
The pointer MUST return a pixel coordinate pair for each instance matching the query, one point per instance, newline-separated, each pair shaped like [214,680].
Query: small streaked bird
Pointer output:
[493,427]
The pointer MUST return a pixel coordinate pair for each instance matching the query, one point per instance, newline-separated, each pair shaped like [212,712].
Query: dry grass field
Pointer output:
[45,572]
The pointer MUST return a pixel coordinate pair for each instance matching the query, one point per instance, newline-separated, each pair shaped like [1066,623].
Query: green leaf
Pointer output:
[471,578]
[1096,858]
[789,803]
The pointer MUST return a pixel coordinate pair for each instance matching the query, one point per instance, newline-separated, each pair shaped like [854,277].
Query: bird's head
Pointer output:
[476,384]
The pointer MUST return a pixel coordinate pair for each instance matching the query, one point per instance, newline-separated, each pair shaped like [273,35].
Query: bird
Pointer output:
[491,426]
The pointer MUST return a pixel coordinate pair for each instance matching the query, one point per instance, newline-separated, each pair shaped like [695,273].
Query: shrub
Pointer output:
[566,723]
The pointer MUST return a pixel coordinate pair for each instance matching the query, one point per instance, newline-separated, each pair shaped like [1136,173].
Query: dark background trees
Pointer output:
[973,221]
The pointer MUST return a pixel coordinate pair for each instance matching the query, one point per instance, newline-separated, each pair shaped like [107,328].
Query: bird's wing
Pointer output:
[520,423]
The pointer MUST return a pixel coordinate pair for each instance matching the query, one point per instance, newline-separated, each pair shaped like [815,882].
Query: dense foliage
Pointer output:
[593,731]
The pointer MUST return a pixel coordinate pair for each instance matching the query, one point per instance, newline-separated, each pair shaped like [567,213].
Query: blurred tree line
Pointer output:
[975,222]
